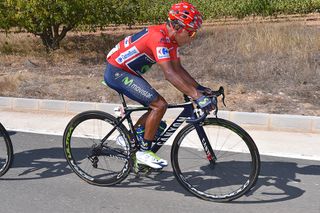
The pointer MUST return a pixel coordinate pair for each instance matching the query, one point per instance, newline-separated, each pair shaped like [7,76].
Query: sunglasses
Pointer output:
[191,33]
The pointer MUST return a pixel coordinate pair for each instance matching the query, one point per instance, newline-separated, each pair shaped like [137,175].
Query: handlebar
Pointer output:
[197,120]
[213,95]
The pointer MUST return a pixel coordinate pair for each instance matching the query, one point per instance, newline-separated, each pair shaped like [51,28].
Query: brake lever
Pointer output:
[217,94]
[213,94]
[223,98]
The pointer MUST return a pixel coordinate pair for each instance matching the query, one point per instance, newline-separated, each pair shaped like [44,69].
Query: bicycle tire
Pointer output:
[6,155]
[104,166]
[235,171]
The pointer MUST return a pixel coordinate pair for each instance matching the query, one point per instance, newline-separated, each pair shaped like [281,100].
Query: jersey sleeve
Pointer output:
[162,48]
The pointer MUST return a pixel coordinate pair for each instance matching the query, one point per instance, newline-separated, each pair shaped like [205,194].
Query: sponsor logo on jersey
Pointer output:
[127,54]
[162,52]
[115,49]
[144,69]
[127,81]
[127,41]
[165,40]
[139,63]
[130,83]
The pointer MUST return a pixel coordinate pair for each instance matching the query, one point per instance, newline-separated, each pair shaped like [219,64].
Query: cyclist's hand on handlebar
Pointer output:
[206,104]
[204,90]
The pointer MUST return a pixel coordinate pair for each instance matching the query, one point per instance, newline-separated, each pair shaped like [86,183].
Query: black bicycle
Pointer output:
[212,158]
[6,151]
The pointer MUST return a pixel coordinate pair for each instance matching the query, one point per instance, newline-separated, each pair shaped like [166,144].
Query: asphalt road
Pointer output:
[41,181]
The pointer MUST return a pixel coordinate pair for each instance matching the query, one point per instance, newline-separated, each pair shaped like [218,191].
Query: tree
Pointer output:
[48,19]
[126,11]
[5,14]
[51,20]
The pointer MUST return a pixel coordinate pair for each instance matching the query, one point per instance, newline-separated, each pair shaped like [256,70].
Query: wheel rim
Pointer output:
[231,175]
[104,165]
[6,154]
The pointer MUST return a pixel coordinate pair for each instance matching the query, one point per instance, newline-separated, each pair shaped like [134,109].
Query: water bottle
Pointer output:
[140,133]
[162,127]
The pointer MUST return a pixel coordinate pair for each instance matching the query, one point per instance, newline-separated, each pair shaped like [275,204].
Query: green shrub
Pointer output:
[52,19]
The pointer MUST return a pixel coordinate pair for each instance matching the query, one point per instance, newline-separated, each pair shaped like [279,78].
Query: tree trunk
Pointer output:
[51,37]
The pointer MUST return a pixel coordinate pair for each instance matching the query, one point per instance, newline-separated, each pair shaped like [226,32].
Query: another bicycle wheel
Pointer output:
[6,151]
[102,164]
[233,173]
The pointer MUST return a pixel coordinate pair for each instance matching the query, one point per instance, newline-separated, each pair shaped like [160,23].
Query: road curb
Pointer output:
[264,121]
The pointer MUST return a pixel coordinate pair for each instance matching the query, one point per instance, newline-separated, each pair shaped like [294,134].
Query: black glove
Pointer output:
[205,103]
[204,90]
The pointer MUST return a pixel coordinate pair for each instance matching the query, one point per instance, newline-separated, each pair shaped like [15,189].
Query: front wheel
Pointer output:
[228,172]
[91,149]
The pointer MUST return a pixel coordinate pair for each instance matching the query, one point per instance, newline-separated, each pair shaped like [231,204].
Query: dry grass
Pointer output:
[260,52]
[266,67]
[22,44]
[10,83]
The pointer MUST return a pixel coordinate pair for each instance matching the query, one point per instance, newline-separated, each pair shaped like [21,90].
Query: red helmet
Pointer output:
[187,15]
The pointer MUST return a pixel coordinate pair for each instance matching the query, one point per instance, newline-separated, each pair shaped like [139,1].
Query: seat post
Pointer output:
[127,114]
[123,101]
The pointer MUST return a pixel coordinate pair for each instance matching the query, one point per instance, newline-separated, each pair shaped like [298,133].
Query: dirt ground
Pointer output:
[259,73]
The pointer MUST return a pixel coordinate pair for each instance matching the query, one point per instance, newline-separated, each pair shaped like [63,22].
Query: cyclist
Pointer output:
[134,55]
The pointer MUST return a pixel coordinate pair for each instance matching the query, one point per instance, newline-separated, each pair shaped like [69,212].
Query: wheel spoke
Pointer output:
[97,163]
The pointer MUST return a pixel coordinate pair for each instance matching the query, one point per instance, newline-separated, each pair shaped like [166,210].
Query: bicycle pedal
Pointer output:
[143,168]
[140,171]
[150,169]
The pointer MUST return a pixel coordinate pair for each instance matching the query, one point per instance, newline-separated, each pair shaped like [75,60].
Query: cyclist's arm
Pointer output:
[181,83]
[183,73]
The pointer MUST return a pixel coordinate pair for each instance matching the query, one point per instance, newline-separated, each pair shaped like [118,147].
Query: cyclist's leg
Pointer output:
[138,89]
[153,117]
[142,120]
[152,121]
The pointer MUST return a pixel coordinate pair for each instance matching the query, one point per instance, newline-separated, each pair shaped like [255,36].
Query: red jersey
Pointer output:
[138,52]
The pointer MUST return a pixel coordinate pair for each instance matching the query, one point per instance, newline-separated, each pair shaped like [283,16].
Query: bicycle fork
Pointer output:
[212,158]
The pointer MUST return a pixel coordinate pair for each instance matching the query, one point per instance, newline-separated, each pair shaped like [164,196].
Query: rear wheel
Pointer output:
[98,163]
[232,174]
[6,151]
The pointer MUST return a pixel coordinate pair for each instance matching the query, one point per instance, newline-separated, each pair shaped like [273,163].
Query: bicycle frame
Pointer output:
[108,161]
[187,113]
